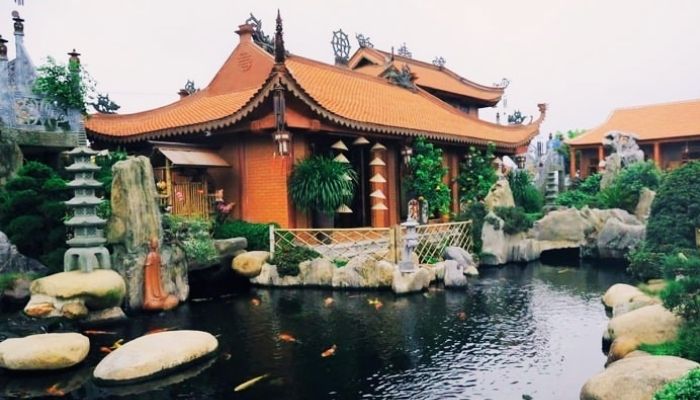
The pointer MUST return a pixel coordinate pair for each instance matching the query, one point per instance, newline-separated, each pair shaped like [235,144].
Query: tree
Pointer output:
[476,175]
[66,86]
[426,176]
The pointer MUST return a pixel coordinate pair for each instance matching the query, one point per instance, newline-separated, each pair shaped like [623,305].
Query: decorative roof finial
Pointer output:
[280,52]
[403,51]
[439,62]
[19,23]
[259,37]
[363,41]
[3,49]
[74,57]
[392,53]
[341,47]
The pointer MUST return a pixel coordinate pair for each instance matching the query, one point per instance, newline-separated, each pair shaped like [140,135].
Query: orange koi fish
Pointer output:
[462,315]
[328,301]
[285,337]
[105,350]
[245,385]
[55,391]
[255,302]
[117,344]
[329,352]
[378,305]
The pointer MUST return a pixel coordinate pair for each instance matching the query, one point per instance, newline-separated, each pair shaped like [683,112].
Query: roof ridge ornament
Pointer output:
[104,105]
[19,23]
[363,41]
[3,49]
[439,62]
[341,47]
[502,84]
[259,37]
[280,53]
[404,78]
[403,51]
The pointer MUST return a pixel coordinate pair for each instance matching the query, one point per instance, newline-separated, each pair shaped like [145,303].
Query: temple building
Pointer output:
[668,133]
[265,108]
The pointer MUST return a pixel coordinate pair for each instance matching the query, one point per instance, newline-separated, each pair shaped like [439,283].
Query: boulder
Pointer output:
[107,316]
[439,269]
[499,195]
[454,275]
[270,277]
[430,269]
[620,348]
[318,272]
[74,310]
[494,250]
[230,247]
[250,263]
[364,271]
[613,166]
[567,225]
[18,293]
[46,351]
[11,261]
[471,271]
[410,282]
[650,325]
[134,221]
[11,157]
[458,254]
[617,238]
[155,354]
[635,378]
[634,303]
[620,293]
[643,209]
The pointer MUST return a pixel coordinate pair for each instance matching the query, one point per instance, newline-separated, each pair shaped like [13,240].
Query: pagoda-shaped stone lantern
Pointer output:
[87,251]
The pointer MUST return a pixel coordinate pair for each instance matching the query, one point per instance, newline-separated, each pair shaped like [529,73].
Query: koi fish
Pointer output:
[245,385]
[285,337]
[328,301]
[157,330]
[96,332]
[226,356]
[329,352]
[55,391]
[378,305]
[117,344]
[462,315]
[255,302]
[105,350]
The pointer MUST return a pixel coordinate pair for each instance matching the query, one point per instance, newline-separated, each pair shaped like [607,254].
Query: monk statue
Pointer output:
[154,297]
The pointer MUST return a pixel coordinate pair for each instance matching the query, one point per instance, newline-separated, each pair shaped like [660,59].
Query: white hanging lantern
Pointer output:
[378,146]
[378,178]
[378,194]
[360,141]
[341,159]
[339,145]
[380,207]
[377,162]
[344,209]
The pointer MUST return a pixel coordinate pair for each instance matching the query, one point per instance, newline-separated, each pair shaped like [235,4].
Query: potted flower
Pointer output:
[320,185]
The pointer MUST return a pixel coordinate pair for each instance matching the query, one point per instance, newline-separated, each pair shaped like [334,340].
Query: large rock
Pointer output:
[11,157]
[650,325]
[454,275]
[318,272]
[635,378]
[620,293]
[230,247]
[566,225]
[410,282]
[46,351]
[135,220]
[620,348]
[11,261]
[250,263]
[499,195]
[643,209]
[613,166]
[152,355]
[616,239]
[56,295]
[364,271]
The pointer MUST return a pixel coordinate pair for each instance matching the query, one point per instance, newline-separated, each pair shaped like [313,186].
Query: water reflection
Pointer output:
[517,330]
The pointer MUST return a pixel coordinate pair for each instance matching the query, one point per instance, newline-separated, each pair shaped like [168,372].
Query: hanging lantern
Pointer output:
[347,177]
[407,153]
[341,159]
[377,162]
[339,145]
[378,194]
[282,139]
[378,146]
[360,141]
[344,209]
[378,178]
[380,207]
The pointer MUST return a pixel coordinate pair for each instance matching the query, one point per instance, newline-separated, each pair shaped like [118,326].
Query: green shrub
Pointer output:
[675,212]
[630,182]
[194,235]
[645,264]
[257,235]
[287,259]
[475,212]
[514,219]
[686,388]
[476,174]
[682,293]
[32,213]
[321,184]
[426,176]
[525,193]
[582,194]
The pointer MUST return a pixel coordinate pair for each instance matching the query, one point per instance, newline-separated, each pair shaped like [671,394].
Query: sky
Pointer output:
[583,58]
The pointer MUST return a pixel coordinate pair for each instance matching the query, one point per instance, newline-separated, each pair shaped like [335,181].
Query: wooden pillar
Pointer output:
[572,162]
[378,184]
[657,154]
[601,156]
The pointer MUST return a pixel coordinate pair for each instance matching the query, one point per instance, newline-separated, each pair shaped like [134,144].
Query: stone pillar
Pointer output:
[657,154]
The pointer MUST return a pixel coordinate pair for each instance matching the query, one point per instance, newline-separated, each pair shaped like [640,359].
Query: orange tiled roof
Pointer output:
[372,100]
[429,75]
[651,122]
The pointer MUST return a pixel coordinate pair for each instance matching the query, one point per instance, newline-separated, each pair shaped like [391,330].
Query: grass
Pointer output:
[672,348]
[7,280]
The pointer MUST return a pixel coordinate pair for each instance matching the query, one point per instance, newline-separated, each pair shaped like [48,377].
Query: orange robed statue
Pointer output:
[154,297]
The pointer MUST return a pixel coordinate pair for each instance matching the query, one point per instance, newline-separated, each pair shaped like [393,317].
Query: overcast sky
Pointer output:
[584,57]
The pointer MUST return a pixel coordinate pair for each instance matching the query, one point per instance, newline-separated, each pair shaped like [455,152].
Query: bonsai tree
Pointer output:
[426,176]
[321,185]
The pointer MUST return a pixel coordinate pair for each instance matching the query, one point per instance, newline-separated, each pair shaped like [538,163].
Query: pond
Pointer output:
[518,330]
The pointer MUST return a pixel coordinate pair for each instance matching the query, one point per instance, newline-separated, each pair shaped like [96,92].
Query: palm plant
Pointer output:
[322,185]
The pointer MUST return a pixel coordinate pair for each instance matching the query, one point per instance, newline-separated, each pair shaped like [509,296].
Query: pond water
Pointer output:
[530,330]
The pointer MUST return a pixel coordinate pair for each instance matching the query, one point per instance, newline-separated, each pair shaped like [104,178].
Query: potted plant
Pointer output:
[320,185]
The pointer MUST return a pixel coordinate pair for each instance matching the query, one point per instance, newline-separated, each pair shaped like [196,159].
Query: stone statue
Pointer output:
[413,207]
[154,297]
